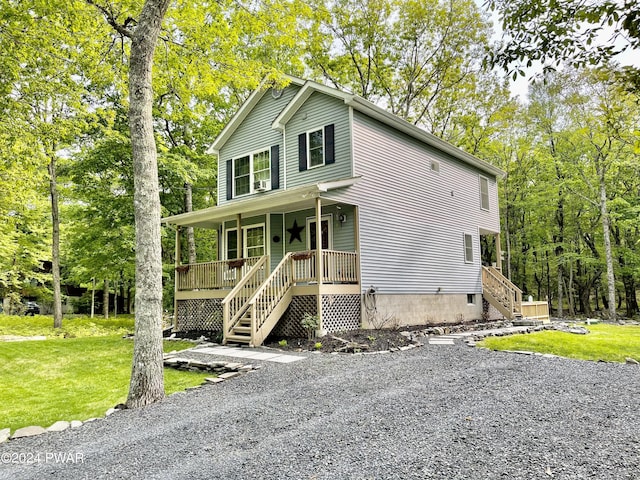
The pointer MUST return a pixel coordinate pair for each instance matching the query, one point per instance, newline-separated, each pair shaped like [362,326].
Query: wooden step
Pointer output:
[238,339]
[244,330]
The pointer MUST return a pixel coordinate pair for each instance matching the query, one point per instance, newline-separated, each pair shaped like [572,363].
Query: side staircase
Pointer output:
[501,293]
[254,306]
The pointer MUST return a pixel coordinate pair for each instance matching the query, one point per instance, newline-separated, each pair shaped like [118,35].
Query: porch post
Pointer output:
[319,261]
[239,235]
[498,253]
[175,289]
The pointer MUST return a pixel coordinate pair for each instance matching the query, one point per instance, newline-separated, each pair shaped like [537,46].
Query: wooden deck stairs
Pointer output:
[254,306]
[501,293]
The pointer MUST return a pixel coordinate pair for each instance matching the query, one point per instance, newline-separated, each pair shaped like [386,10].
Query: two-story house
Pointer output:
[332,206]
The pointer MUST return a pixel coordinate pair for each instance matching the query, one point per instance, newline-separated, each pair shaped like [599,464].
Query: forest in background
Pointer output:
[570,200]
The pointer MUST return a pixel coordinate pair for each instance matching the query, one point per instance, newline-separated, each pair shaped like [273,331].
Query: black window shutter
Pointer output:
[302,152]
[275,167]
[329,145]
[229,179]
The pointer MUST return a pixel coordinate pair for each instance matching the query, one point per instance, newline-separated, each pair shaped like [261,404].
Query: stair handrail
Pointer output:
[510,290]
[229,318]
[259,315]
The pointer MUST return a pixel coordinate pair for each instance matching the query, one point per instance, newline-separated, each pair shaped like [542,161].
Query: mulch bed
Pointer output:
[353,341]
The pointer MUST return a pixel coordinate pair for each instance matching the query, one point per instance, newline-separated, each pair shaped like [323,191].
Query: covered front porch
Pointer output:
[270,269]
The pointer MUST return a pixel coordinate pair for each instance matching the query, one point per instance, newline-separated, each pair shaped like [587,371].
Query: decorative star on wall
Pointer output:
[295,232]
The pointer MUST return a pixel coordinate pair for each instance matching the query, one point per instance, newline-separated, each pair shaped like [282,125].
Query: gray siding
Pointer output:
[253,134]
[277,248]
[319,110]
[413,220]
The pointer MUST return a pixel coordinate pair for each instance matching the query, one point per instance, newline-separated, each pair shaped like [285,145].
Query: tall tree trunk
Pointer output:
[93,296]
[55,244]
[188,207]
[105,299]
[611,281]
[147,382]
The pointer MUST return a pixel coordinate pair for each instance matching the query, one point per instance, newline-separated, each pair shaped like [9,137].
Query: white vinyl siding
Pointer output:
[412,221]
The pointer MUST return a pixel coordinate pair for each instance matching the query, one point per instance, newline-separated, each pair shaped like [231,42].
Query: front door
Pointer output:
[325,231]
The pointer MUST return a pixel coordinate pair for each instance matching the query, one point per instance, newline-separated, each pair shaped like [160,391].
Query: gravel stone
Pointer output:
[443,412]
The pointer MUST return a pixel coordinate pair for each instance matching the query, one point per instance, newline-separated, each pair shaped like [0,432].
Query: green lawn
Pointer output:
[42,382]
[611,343]
[72,327]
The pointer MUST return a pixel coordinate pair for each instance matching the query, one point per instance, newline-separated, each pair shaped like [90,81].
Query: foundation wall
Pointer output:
[422,309]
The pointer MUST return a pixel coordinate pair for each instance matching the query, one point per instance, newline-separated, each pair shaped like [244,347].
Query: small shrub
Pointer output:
[371,338]
[282,343]
[318,345]
[310,323]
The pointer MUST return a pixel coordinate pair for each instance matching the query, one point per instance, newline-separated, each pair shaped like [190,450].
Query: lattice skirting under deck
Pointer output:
[341,312]
[200,315]
[289,324]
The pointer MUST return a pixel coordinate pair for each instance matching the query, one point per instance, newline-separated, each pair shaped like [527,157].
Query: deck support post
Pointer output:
[498,253]
[319,262]
[175,289]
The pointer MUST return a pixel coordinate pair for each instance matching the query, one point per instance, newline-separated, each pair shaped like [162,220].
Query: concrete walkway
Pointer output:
[246,353]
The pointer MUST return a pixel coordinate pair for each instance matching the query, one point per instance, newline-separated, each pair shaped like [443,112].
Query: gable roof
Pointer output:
[243,112]
[357,103]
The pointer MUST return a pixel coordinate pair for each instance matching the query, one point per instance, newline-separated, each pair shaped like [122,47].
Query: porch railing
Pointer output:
[337,267]
[236,302]
[213,275]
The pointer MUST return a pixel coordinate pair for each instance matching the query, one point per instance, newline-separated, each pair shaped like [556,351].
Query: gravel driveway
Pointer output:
[445,412]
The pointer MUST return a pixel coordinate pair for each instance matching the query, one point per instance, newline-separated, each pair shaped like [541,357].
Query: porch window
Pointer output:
[484,193]
[254,241]
[468,248]
[251,173]
[232,244]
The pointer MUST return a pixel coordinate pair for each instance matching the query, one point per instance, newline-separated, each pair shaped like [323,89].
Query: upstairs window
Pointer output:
[242,175]
[252,173]
[316,148]
[484,193]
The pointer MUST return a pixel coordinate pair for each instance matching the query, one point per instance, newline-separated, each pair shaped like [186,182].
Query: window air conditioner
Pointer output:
[261,185]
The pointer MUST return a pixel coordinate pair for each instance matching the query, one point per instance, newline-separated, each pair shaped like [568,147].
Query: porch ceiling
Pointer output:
[276,201]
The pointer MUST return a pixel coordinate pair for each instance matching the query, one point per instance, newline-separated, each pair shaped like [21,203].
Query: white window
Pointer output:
[252,173]
[484,193]
[315,145]
[252,242]
[468,248]
[471,299]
